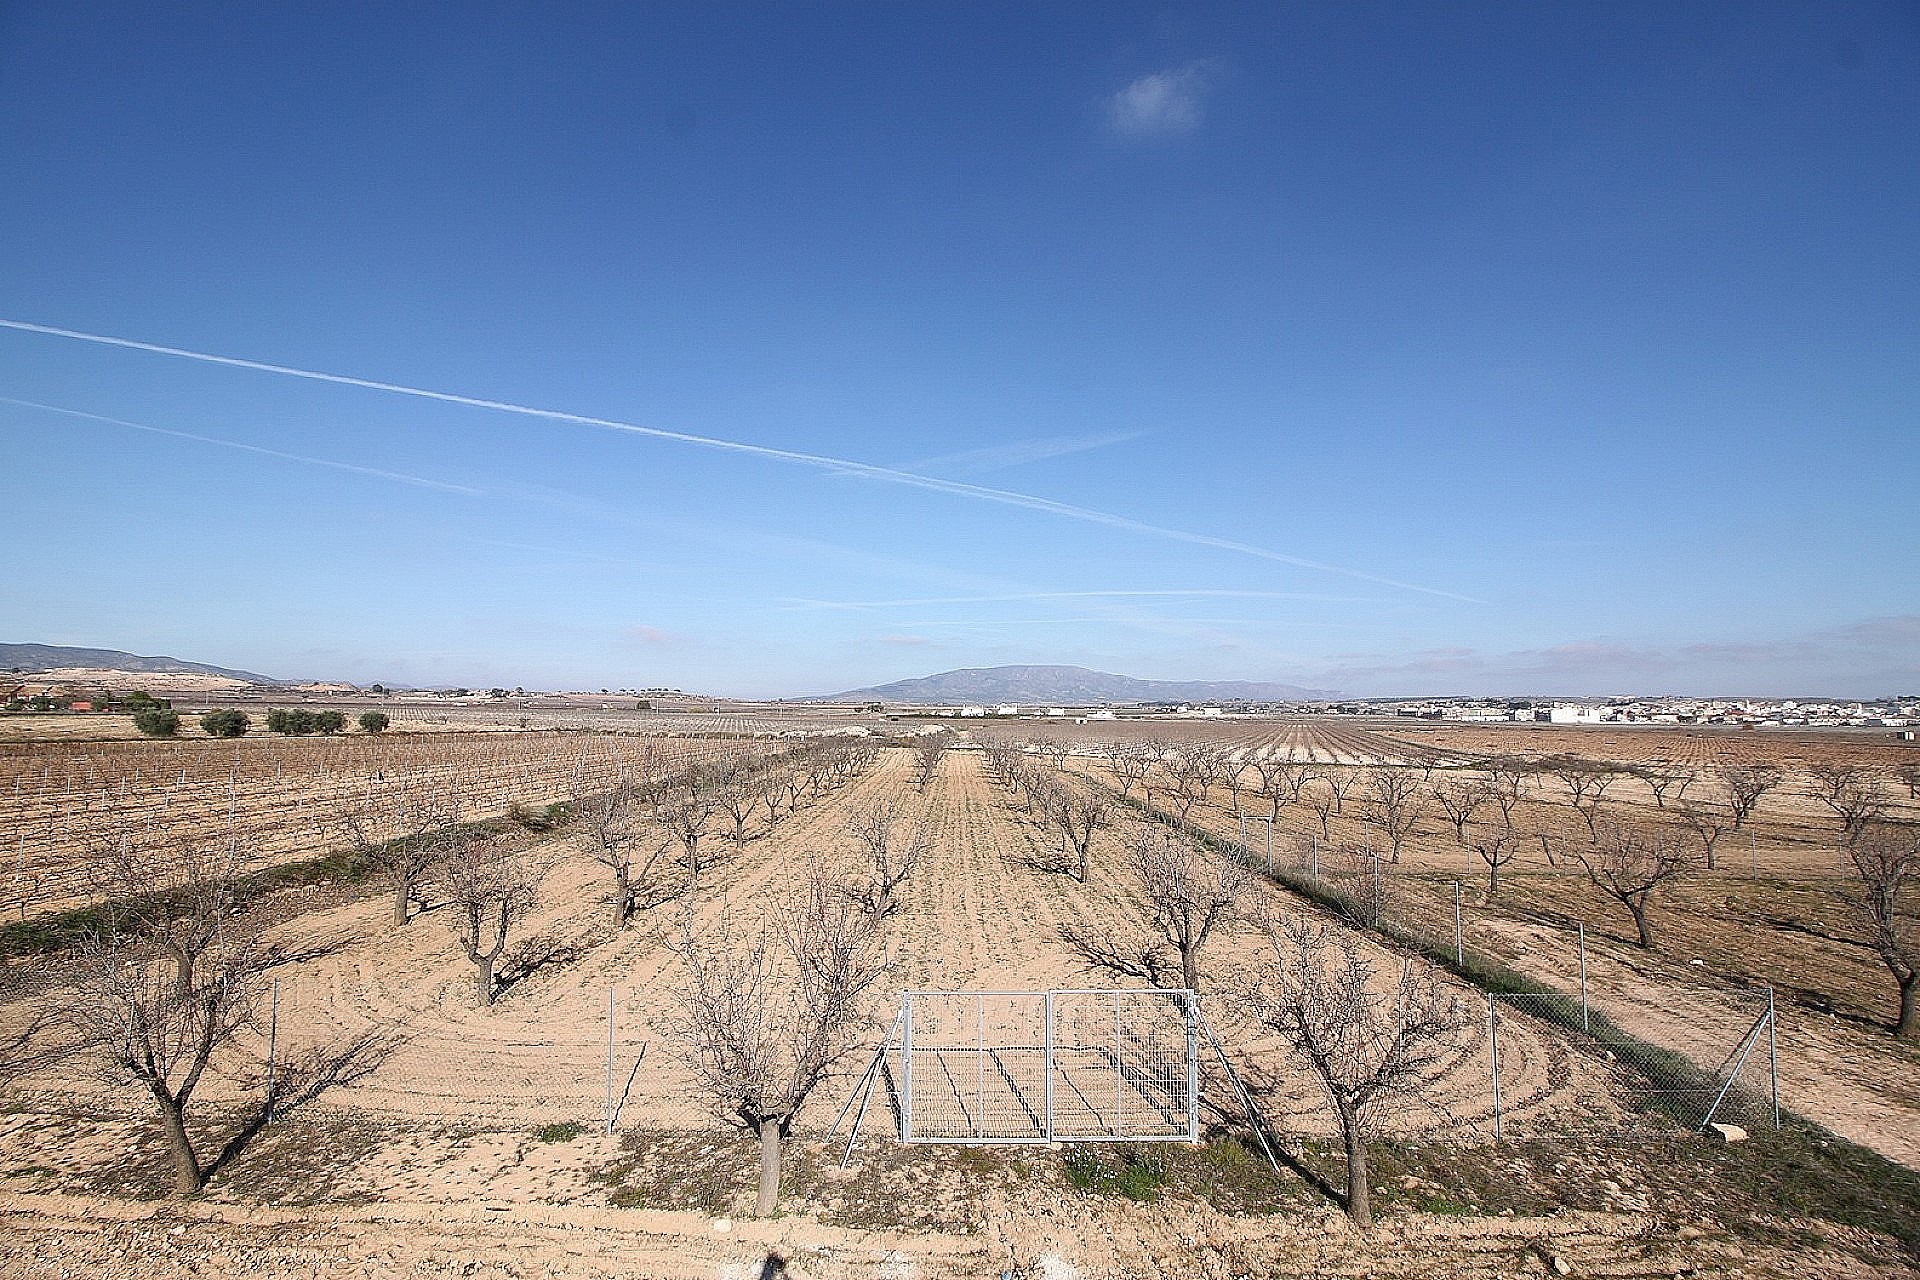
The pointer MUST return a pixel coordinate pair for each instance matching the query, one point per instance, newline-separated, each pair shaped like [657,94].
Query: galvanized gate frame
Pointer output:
[900,1033]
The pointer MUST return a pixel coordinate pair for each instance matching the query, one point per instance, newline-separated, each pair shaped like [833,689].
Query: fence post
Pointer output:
[1586,1019]
[1048,1006]
[1193,1066]
[1493,1039]
[1773,1058]
[610,992]
[1269,846]
[1379,904]
[1316,856]
[980,1027]
[1119,1077]
[1459,930]
[906,1069]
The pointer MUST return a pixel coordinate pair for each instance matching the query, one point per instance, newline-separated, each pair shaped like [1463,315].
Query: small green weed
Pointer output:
[565,1132]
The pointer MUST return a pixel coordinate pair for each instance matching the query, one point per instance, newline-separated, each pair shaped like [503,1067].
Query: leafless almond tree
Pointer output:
[763,1020]
[1393,800]
[610,823]
[1188,893]
[1744,786]
[1130,765]
[1853,793]
[1194,767]
[1080,815]
[1627,863]
[491,885]
[1664,777]
[1340,782]
[401,829]
[1707,822]
[1511,783]
[685,819]
[1460,799]
[159,1035]
[1323,801]
[926,757]
[1281,780]
[1497,846]
[1371,1045]
[1909,774]
[177,889]
[894,851]
[1886,896]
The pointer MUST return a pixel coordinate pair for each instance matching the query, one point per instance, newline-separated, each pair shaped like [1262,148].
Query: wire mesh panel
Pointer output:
[1042,1066]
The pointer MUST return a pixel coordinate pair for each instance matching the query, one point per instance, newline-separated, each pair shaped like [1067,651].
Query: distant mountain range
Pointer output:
[48,657]
[1068,686]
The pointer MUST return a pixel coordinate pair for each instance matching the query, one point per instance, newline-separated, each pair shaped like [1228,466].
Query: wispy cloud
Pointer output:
[905,642]
[802,602]
[1164,104]
[1015,453]
[399,477]
[823,462]
[652,637]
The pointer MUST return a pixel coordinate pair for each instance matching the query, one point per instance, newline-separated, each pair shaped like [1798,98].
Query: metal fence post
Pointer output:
[1193,1066]
[906,1069]
[1119,1076]
[1316,856]
[610,992]
[1269,846]
[1047,1003]
[1493,1038]
[1586,1019]
[980,1026]
[1773,1058]
[1459,929]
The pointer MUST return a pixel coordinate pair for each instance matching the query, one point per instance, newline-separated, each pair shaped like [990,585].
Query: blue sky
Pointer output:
[1536,349]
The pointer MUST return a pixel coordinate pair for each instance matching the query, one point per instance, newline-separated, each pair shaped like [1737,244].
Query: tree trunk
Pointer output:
[187,1178]
[1639,910]
[1359,1200]
[483,966]
[402,894]
[1493,878]
[622,895]
[1908,1028]
[1190,969]
[769,1196]
[183,975]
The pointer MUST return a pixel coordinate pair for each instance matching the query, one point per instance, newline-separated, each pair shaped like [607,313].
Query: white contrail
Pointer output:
[401,477]
[840,466]
[1143,593]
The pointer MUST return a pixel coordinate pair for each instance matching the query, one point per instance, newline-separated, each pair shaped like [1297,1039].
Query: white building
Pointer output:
[1562,714]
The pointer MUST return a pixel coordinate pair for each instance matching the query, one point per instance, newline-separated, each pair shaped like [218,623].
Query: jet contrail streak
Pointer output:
[376,472]
[842,466]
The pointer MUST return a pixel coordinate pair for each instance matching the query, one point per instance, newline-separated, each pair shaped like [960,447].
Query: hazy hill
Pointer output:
[59,657]
[1067,685]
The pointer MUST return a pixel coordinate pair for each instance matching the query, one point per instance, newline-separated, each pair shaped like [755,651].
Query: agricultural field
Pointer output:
[571,1095]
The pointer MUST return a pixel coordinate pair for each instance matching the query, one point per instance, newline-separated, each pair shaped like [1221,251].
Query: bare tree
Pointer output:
[1393,801]
[737,798]
[1323,803]
[1853,793]
[926,756]
[764,1021]
[1460,799]
[1130,764]
[773,790]
[1369,1044]
[1510,784]
[1708,823]
[1909,774]
[1340,783]
[1587,781]
[610,824]
[1663,777]
[1886,868]
[174,888]
[491,885]
[893,851]
[1079,815]
[160,1035]
[1627,863]
[1188,895]
[1744,786]
[685,819]
[402,831]
[1497,846]
[1194,768]
[1281,780]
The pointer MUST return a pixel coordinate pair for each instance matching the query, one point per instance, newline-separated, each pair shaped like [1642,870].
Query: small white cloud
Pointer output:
[1160,105]
[905,642]
[644,634]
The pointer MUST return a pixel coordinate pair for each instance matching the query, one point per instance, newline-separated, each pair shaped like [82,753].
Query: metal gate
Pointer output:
[1049,1066]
